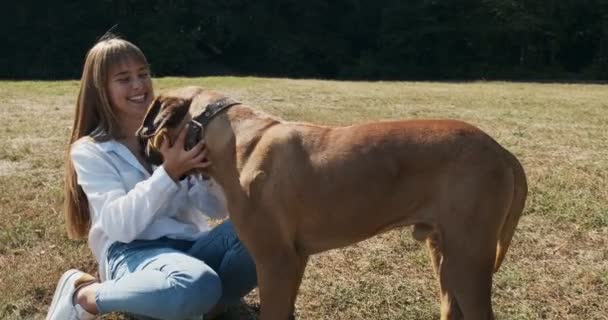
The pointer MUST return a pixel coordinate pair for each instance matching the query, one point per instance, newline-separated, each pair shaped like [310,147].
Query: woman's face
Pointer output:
[130,89]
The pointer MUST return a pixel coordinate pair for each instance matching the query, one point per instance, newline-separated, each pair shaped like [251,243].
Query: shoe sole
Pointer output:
[60,286]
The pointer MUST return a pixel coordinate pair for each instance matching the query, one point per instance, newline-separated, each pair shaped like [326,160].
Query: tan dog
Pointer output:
[296,189]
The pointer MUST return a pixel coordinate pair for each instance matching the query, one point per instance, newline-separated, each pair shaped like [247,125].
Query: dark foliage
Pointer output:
[349,39]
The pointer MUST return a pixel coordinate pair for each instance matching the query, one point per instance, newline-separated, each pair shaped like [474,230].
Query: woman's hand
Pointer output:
[177,161]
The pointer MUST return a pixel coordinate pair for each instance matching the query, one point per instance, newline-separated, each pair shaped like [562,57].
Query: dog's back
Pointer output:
[396,171]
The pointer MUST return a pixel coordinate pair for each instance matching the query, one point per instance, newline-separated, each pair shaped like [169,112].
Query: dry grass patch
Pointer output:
[556,269]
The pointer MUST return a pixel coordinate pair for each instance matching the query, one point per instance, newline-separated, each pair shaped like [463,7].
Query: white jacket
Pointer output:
[128,203]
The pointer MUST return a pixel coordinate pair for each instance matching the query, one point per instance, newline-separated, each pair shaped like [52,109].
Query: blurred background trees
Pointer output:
[339,39]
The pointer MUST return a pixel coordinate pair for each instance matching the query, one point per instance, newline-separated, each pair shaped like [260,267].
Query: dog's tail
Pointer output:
[514,212]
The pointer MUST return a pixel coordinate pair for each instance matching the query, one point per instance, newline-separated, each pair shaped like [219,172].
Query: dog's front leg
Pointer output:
[279,278]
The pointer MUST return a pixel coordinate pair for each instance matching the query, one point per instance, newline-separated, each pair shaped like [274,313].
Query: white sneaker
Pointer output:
[62,307]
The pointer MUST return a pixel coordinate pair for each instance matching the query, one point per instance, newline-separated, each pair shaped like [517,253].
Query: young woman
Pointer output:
[157,255]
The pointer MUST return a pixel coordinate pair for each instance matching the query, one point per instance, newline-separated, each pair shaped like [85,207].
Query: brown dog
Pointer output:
[296,189]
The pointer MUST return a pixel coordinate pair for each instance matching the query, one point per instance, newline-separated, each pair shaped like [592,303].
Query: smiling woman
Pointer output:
[130,91]
[104,78]
[147,229]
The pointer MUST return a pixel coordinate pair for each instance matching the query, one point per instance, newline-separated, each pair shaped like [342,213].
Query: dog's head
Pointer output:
[166,116]
[172,112]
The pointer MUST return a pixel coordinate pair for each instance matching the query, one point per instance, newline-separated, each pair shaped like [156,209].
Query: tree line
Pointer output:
[339,39]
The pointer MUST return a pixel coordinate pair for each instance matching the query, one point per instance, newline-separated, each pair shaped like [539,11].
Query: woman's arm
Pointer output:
[207,196]
[123,214]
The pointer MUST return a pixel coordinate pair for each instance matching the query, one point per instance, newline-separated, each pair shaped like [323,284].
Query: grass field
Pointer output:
[557,267]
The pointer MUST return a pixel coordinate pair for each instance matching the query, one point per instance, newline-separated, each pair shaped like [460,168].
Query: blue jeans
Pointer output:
[177,279]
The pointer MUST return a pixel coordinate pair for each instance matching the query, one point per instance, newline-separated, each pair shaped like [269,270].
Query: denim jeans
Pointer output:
[177,279]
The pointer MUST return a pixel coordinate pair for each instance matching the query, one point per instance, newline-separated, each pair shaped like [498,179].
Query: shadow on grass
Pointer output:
[240,311]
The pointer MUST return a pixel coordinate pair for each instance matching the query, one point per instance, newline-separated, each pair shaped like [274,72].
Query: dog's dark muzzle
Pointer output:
[150,152]
[194,134]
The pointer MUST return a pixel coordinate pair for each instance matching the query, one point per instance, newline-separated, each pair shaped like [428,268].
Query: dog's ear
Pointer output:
[173,112]
[148,128]
[168,111]
[163,112]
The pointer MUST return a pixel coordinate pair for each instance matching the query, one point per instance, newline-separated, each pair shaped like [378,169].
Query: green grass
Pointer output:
[556,267]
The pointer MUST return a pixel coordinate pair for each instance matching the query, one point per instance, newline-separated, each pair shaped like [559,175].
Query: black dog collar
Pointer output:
[198,123]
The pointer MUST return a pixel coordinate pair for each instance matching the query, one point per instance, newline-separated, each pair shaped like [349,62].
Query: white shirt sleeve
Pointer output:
[207,196]
[122,215]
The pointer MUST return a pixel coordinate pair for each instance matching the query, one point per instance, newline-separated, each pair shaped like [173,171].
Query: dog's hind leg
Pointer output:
[465,272]
[468,226]
[449,306]
[468,279]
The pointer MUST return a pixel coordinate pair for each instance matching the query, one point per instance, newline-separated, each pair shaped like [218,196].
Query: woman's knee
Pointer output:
[196,291]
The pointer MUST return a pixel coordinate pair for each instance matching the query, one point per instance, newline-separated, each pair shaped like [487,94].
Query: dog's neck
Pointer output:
[247,126]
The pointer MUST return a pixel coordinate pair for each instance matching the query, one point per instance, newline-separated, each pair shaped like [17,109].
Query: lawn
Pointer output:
[556,268]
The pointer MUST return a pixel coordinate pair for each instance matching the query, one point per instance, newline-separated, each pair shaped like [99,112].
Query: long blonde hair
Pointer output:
[93,117]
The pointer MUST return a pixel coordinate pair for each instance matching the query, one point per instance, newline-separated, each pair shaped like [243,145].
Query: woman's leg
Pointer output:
[221,250]
[161,283]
